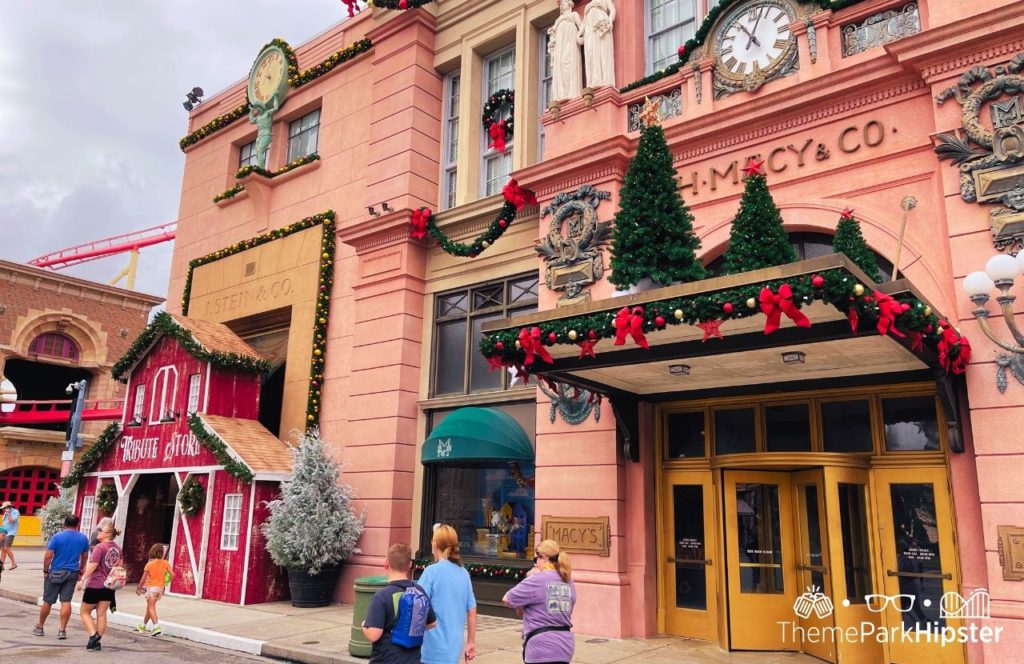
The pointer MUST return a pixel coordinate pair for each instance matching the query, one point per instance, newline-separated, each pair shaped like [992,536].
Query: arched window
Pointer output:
[54,344]
[808,245]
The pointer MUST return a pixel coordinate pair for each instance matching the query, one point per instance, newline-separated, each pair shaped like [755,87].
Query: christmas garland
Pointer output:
[163,324]
[214,125]
[91,456]
[332,61]
[836,286]
[290,166]
[235,468]
[500,131]
[230,193]
[480,570]
[106,499]
[398,4]
[516,198]
[698,39]
[191,496]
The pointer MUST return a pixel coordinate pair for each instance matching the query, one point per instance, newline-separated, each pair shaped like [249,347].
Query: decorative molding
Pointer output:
[1011,552]
[874,31]
[670,105]
[965,61]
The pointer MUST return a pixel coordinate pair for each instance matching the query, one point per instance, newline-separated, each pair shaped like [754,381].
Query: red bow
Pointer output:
[531,343]
[352,7]
[631,323]
[854,318]
[950,341]
[518,196]
[497,133]
[888,310]
[587,348]
[774,305]
[495,362]
[419,220]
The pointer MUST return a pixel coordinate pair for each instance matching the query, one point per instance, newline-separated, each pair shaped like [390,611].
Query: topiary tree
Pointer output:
[52,515]
[850,241]
[757,238]
[653,234]
[312,526]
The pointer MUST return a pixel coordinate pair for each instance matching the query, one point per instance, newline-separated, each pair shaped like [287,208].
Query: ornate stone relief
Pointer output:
[573,404]
[991,161]
[572,247]
[670,106]
[1011,552]
[881,28]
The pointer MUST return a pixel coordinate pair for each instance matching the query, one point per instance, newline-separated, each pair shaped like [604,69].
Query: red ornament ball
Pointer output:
[499,346]
[817,281]
[659,321]
[403,4]
[929,329]
[552,337]
[591,334]
[905,307]
[681,51]
[502,223]
[727,307]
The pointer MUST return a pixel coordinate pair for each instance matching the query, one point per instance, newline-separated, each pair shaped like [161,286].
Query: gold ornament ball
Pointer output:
[927,311]
[518,345]
[326,255]
[751,303]
[323,321]
[573,335]
[678,313]
[858,290]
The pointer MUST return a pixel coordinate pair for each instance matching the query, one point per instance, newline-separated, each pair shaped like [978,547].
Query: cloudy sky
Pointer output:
[90,112]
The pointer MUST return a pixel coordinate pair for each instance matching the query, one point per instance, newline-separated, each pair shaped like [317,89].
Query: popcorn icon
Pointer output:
[813,601]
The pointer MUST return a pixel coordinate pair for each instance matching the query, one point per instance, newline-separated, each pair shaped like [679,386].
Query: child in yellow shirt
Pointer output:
[155,577]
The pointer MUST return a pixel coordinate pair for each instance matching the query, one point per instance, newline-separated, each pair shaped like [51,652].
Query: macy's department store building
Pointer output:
[703,484]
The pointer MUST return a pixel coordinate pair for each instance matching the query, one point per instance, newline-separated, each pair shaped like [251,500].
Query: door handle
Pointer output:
[948,576]
[688,561]
[812,568]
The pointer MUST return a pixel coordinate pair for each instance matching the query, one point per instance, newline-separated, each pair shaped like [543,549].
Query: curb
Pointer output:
[306,657]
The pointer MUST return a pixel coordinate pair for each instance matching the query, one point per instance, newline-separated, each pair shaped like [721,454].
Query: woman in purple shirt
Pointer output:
[546,598]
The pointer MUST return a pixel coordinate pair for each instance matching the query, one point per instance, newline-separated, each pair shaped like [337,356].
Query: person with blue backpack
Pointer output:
[399,613]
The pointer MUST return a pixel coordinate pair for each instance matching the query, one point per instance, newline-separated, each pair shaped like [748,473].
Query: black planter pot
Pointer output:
[309,591]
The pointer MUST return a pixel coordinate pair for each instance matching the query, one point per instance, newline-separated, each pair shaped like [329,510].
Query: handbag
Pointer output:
[117,577]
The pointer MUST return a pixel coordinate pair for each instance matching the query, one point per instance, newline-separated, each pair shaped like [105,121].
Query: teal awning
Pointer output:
[477,434]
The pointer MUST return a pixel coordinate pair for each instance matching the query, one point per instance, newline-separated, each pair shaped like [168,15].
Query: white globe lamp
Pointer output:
[1002,267]
[978,283]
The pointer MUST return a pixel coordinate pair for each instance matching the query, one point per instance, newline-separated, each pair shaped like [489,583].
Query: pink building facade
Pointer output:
[711,483]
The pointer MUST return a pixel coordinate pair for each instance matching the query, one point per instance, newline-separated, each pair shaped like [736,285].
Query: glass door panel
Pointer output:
[814,613]
[918,560]
[689,544]
[762,583]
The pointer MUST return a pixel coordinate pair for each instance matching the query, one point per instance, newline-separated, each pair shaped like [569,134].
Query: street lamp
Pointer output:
[1000,272]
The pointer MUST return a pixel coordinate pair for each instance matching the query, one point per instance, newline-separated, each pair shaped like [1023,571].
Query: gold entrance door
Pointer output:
[688,548]
[918,563]
[813,608]
[761,566]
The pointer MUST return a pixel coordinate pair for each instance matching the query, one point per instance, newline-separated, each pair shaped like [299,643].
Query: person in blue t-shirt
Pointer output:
[451,596]
[63,564]
[10,525]
[382,614]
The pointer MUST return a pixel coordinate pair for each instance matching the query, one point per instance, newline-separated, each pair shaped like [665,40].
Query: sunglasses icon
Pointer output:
[901,603]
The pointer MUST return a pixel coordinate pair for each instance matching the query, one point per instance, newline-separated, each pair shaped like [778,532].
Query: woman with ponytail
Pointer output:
[451,596]
[546,598]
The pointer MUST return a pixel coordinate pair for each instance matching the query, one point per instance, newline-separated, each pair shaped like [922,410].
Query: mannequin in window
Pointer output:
[598,46]
[563,46]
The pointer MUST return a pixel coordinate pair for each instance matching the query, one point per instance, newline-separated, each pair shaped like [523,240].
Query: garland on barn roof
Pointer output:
[695,42]
[516,198]
[481,570]
[213,443]
[163,324]
[91,456]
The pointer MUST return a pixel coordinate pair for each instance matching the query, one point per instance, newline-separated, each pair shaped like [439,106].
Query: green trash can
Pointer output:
[365,587]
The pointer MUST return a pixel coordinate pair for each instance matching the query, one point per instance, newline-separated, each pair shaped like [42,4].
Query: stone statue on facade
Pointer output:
[564,50]
[263,118]
[598,46]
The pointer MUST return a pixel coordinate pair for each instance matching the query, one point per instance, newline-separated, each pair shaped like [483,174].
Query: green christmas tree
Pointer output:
[849,240]
[653,234]
[757,238]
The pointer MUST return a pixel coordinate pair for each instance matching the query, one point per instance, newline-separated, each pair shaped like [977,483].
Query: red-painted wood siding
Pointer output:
[185,579]
[225,568]
[266,581]
[234,394]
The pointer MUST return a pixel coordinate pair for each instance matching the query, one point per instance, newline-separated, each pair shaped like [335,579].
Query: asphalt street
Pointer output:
[18,644]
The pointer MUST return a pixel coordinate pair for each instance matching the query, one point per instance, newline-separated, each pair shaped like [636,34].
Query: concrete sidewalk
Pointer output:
[320,636]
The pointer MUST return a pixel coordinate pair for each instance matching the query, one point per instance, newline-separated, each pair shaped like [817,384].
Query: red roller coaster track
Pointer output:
[110,246]
[59,411]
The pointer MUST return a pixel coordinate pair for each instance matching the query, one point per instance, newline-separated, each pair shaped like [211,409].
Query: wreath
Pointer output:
[500,131]
[191,496]
[106,499]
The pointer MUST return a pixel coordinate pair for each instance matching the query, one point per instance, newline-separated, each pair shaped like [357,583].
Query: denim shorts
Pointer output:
[59,583]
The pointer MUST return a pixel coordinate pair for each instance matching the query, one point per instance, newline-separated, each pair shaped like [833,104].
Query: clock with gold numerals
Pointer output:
[753,44]
[268,81]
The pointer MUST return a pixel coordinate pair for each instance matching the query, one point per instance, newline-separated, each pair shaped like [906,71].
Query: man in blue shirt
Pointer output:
[382,614]
[10,524]
[63,564]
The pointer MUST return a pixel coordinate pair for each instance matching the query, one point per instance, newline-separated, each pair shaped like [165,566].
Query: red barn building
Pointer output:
[191,412]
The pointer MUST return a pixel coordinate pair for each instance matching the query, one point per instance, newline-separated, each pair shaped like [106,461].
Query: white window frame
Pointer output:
[140,403]
[450,144]
[231,522]
[251,158]
[487,154]
[85,525]
[649,35]
[195,382]
[165,388]
[298,121]
[546,77]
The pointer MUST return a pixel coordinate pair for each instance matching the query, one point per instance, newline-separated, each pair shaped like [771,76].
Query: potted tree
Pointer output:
[52,515]
[312,527]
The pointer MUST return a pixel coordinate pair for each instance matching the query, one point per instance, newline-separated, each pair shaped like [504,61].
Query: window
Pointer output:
[140,398]
[303,134]
[450,158]
[669,24]
[54,344]
[247,155]
[911,424]
[165,386]
[194,381]
[499,74]
[232,522]
[808,245]
[88,520]
[459,368]
[545,89]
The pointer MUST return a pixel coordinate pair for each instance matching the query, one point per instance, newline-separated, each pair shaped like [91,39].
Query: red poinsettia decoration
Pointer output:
[631,322]
[498,132]
[518,196]
[888,310]
[419,220]
[775,304]
[951,341]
